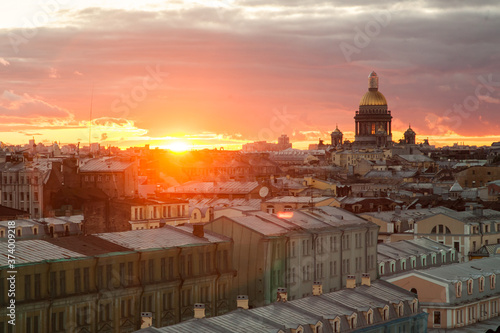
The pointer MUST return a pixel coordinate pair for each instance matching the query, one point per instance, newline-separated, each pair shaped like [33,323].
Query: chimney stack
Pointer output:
[351,282]
[317,288]
[146,319]
[198,230]
[199,310]
[365,279]
[282,295]
[242,301]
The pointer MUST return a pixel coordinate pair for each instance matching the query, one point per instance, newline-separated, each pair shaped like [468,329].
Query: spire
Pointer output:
[373,81]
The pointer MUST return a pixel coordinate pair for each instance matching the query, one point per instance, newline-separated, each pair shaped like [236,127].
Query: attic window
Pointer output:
[459,289]
[492,281]
[469,286]
[481,284]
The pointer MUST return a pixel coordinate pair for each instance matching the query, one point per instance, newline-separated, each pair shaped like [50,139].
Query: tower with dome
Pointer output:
[373,119]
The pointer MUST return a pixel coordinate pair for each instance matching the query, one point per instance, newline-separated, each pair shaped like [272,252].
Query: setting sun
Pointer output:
[178,146]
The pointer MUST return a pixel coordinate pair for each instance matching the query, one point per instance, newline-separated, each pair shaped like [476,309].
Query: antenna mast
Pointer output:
[90,125]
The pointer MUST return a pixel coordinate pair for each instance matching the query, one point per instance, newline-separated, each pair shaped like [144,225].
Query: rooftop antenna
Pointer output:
[90,125]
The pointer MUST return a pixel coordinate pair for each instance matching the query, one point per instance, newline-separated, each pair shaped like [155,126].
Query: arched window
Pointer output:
[381,269]
[19,232]
[459,289]
[469,286]
[481,284]
[413,290]
[369,317]
[492,281]
[336,325]
[401,309]
[386,313]
[288,208]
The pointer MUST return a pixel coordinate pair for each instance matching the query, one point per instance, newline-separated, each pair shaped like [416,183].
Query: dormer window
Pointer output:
[481,284]
[469,286]
[401,309]
[403,264]
[459,289]
[385,313]
[492,281]
[381,269]
[336,325]
[369,317]
[414,305]
[352,321]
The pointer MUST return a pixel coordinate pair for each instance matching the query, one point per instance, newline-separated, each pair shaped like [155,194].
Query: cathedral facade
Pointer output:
[373,119]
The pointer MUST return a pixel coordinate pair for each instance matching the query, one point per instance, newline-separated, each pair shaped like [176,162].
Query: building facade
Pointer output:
[373,119]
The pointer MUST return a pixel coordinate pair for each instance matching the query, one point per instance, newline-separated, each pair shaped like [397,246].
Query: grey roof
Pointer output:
[456,187]
[293,199]
[416,158]
[478,327]
[214,187]
[408,248]
[165,237]
[390,174]
[223,202]
[460,271]
[306,311]
[36,250]
[260,225]
[104,164]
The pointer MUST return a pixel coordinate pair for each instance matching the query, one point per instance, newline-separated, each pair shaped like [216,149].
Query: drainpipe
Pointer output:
[341,266]
[182,282]
[216,309]
[287,258]
[51,300]
[138,313]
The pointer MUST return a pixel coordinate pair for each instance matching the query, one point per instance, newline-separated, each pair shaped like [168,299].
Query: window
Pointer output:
[270,209]
[27,287]
[288,208]
[481,284]
[38,285]
[437,317]
[336,325]
[78,280]
[62,282]
[492,281]
[403,264]
[381,269]
[459,289]
[86,279]
[469,286]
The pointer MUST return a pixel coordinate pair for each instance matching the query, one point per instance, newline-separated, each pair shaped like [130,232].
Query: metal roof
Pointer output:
[36,250]
[289,315]
[214,187]
[104,164]
[165,237]
[293,199]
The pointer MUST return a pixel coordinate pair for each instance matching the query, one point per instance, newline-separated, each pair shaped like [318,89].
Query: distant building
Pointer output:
[29,185]
[373,119]
[132,214]
[478,176]
[283,143]
[325,244]
[410,136]
[102,283]
[407,255]
[372,307]
[455,295]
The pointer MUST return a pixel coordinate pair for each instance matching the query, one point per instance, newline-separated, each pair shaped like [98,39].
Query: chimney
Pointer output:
[282,295]
[317,288]
[199,310]
[242,301]
[198,230]
[146,319]
[365,279]
[351,282]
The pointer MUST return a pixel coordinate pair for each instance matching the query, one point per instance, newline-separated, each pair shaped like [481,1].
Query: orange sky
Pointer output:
[217,73]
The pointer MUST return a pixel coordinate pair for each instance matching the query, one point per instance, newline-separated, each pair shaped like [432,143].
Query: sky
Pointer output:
[196,74]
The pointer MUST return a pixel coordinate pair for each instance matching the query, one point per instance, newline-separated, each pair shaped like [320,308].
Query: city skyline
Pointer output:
[204,74]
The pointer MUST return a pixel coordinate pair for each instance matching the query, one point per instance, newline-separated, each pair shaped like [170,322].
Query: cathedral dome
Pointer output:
[373,98]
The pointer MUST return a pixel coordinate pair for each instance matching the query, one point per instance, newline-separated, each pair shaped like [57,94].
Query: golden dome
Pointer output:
[373,98]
